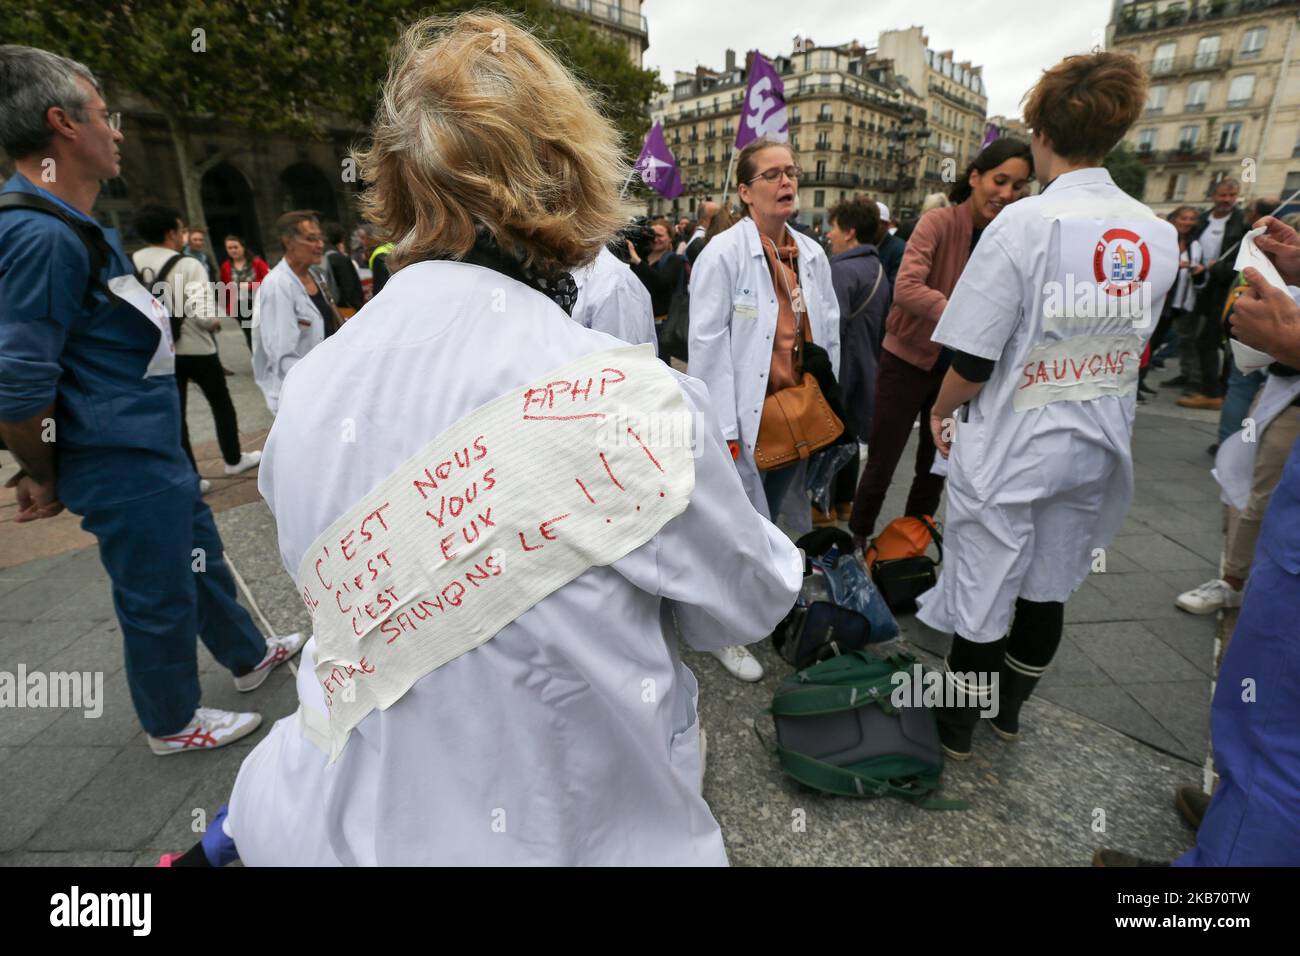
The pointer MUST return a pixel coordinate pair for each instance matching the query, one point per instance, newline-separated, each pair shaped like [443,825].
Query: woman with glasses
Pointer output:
[911,365]
[292,313]
[757,289]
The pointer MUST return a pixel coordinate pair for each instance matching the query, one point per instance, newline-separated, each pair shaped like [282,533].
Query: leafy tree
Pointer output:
[1127,169]
[285,66]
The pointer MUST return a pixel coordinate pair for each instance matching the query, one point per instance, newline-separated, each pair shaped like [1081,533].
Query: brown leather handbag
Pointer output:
[797,420]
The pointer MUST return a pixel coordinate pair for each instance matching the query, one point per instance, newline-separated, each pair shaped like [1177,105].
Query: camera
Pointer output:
[640,233]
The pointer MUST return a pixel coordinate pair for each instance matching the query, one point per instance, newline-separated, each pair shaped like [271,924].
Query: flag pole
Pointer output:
[627,182]
[726,185]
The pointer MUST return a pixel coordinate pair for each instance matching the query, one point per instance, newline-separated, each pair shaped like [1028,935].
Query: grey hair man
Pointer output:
[89,408]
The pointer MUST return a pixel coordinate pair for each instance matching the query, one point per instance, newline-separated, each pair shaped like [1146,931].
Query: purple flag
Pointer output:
[763,114]
[990,134]
[656,165]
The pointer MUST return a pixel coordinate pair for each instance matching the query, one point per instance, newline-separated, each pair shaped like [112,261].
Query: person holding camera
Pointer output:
[760,292]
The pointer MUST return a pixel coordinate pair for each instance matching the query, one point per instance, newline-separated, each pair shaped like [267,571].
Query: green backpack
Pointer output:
[837,731]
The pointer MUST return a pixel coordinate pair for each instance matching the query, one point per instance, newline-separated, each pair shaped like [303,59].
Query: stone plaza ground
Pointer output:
[1120,721]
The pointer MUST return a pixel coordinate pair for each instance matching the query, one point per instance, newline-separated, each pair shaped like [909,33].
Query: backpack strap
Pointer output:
[91,237]
[851,783]
[167,267]
[872,294]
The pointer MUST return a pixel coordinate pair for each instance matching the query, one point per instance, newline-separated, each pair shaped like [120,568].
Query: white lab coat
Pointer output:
[733,320]
[571,737]
[612,299]
[1041,473]
[279,341]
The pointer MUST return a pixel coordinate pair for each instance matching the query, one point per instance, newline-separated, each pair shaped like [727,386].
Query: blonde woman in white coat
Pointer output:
[751,287]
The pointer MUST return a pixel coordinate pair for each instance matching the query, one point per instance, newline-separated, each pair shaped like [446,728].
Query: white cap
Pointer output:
[884,212]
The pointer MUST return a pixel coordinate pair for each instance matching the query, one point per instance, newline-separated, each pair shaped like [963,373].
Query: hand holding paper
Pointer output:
[1280,243]
[1265,318]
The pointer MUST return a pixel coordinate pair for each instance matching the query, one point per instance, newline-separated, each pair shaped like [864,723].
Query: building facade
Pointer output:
[956,101]
[843,102]
[620,19]
[895,122]
[1224,95]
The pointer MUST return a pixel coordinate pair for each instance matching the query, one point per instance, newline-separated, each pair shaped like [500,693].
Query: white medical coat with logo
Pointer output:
[612,299]
[570,737]
[733,321]
[279,341]
[1041,472]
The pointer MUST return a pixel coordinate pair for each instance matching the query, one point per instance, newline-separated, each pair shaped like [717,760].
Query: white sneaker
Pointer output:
[740,663]
[1209,597]
[208,730]
[247,460]
[278,650]
[204,486]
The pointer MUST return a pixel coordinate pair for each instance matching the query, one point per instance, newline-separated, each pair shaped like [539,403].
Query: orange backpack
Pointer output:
[902,538]
[899,564]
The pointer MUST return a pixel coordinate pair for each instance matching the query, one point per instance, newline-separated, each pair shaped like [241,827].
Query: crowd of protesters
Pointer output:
[925,325]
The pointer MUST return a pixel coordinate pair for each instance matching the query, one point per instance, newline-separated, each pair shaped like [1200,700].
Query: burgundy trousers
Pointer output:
[904,393]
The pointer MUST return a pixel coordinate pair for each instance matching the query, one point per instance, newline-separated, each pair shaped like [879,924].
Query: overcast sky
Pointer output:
[1014,40]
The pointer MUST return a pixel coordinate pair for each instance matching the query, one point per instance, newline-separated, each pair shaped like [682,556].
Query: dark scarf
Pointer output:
[558,286]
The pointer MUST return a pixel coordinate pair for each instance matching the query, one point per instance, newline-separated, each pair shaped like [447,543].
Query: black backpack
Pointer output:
[92,238]
[177,321]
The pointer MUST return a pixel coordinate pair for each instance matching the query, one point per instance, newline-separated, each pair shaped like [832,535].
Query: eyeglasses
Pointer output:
[774,175]
[312,239]
[113,117]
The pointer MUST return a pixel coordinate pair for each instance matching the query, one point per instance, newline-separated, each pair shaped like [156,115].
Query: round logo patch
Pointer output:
[1121,261]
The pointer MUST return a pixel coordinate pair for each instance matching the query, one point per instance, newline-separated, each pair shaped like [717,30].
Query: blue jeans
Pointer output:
[148,549]
[1242,390]
[776,484]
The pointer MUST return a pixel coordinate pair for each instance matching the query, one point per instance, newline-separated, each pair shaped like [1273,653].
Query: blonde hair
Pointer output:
[479,125]
[934,201]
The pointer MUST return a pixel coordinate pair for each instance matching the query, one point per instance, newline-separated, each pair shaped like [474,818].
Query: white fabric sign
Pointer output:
[129,290]
[518,498]
[1078,369]
[1246,358]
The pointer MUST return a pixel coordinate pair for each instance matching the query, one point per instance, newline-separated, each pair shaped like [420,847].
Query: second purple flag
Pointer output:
[657,167]
[764,113]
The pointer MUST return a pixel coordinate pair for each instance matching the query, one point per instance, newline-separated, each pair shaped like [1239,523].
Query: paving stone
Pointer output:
[36,642]
[209,793]
[1182,708]
[1115,708]
[19,725]
[99,649]
[114,811]
[1137,596]
[116,726]
[1155,552]
[1129,653]
[1191,636]
[39,597]
[38,569]
[1071,667]
[38,781]
[1208,544]
[92,602]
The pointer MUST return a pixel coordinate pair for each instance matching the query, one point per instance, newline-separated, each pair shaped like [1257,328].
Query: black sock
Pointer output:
[1035,636]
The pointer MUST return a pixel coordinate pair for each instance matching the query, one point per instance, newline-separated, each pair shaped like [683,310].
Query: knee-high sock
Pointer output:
[1035,636]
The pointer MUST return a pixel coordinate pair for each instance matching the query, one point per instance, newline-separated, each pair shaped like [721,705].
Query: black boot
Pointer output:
[957,720]
[1014,688]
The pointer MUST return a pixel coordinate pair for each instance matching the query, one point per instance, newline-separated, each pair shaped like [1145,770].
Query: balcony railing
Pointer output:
[1179,155]
[1144,17]
[612,13]
[831,179]
[1207,62]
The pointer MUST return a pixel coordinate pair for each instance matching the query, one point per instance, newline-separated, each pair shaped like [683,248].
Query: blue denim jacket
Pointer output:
[117,432]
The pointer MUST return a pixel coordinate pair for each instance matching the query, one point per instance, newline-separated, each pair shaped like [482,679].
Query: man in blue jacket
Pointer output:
[89,408]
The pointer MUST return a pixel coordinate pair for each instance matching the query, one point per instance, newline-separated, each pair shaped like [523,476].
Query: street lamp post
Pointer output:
[898,152]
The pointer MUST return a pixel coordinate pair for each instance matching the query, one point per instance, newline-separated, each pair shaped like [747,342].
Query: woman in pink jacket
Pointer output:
[911,366]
